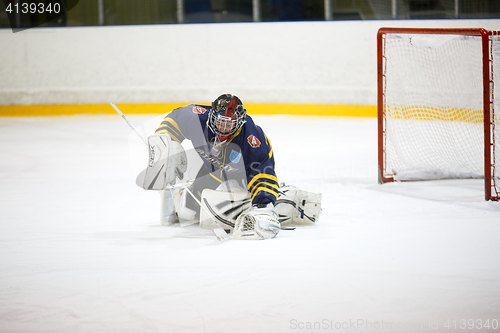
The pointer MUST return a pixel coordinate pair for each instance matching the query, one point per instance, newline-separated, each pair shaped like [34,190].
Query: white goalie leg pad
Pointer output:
[173,206]
[297,207]
[167,159]
[258,223]
[185,215]
[168,215]
[225,206]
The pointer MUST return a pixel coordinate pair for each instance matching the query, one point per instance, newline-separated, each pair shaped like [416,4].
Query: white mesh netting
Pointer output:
[434,106]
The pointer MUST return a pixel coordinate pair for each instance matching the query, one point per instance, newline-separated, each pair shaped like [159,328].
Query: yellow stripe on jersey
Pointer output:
[168,127]
[172,129]
[259,176]
[265,183]
[217,179]
[172,135]
[170,120]
[265,189]
[269,144]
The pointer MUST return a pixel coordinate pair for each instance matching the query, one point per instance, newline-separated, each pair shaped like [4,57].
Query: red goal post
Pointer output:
[436,105]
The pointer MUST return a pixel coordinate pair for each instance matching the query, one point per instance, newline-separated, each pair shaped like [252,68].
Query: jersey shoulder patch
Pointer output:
[253,141]
[199,110]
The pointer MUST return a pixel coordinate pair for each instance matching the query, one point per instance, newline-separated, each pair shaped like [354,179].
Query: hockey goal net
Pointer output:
[437,113]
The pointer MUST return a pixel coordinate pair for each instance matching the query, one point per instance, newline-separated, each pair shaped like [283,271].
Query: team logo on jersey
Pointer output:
[199,110]
[253,141]
[234,156]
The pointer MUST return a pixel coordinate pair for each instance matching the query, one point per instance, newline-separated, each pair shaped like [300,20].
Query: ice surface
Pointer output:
[82,250]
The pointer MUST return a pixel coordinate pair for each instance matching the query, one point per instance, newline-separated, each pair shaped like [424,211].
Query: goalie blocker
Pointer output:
[167,160]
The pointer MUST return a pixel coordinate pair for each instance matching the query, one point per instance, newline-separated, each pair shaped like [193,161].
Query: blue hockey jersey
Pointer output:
[247,154]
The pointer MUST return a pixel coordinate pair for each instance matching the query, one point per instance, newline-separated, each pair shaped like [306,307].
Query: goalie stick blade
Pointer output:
[221,234]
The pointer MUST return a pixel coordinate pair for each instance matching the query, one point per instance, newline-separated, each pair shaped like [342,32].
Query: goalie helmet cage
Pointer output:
[436,106]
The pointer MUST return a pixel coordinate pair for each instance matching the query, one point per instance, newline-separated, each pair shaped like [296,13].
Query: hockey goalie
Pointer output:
[236,188]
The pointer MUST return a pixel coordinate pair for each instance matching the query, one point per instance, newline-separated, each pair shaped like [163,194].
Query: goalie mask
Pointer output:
[226,117]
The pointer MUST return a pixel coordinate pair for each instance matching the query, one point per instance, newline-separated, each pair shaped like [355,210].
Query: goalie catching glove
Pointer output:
[261,222]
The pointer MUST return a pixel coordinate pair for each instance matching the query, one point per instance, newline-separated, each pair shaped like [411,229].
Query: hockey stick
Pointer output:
[128,122]
[219,232]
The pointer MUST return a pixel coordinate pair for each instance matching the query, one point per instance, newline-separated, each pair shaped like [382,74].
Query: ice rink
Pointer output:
[82,249]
